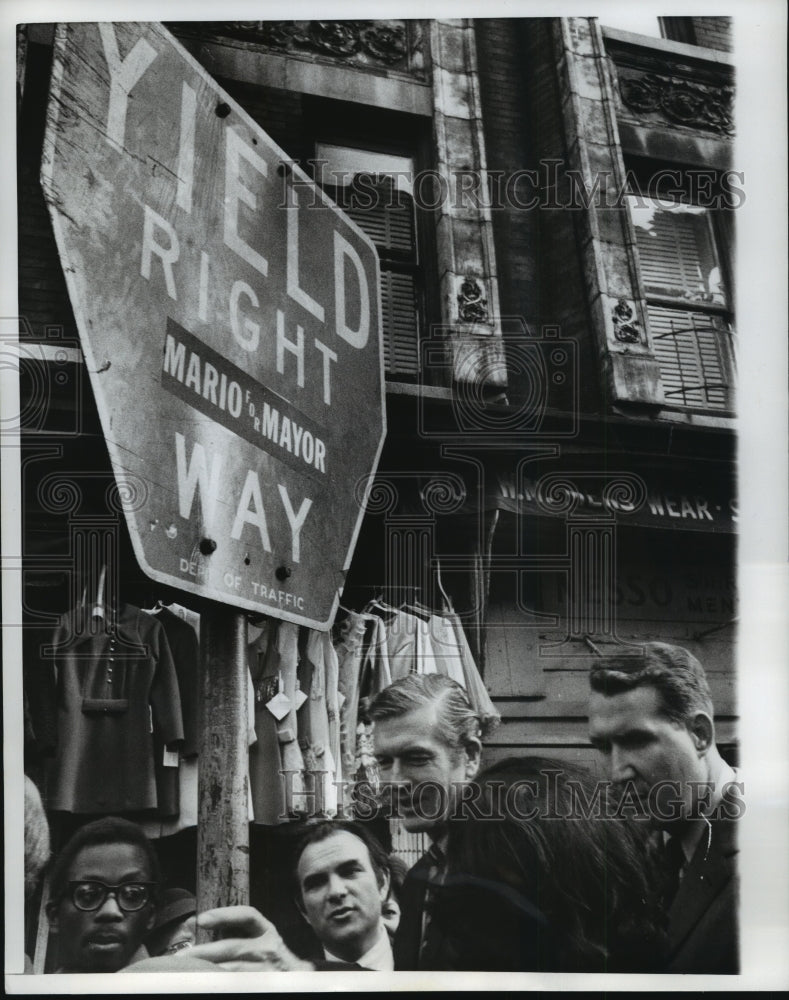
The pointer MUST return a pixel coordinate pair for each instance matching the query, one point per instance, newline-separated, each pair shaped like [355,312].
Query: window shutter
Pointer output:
[696,359]
[390,223]
[694,347]
[670,261]
[400,323]
[677,256]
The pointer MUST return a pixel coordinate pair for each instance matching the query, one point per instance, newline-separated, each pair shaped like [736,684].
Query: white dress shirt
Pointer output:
[379,958]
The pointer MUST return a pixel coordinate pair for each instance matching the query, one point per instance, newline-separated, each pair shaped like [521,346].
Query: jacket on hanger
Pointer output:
[182,640]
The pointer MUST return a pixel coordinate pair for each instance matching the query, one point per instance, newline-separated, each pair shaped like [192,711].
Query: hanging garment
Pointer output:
[287,728]
[378,657]
[185,649]
[314,740]
[187,786]
[350,653]
[304,676]
[117,690]
[446,649]
[475,687]
[265,758]
[332,682]
[409,644]
[374,677]
[182,640]
[425,660]
[365,783]
[401,629]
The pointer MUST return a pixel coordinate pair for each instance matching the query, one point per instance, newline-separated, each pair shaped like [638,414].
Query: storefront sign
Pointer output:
[230,321]
[645,503]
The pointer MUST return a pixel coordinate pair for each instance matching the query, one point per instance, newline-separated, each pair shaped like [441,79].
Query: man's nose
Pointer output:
[109,909]
[337,886]
[398,774]
[621,766]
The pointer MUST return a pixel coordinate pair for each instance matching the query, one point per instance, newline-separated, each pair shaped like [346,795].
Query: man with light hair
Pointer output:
[651,718]
[428,744]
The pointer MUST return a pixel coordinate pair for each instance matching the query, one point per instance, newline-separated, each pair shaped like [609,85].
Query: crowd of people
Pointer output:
[533,865]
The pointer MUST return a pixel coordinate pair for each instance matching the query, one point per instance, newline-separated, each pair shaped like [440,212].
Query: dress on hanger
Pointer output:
[265,758]
[117,696]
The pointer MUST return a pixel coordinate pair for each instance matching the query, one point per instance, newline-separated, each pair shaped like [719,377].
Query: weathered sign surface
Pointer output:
[230,321]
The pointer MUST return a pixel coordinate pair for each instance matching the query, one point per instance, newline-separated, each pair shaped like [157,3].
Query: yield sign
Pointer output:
[230,321]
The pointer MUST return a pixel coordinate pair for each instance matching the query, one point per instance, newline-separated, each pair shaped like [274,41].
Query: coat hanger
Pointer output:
[447,602]
[415,607]
[98,607]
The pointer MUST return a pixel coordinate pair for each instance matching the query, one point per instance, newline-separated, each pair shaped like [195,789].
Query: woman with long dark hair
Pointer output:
[542,877]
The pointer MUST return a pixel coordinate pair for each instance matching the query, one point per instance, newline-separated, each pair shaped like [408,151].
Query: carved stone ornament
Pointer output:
[472,305]
[680,101]
[382,42]
[625,326]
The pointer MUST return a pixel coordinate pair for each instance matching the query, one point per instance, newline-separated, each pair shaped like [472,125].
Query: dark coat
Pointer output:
[702,929]
[475,925]
[185,651]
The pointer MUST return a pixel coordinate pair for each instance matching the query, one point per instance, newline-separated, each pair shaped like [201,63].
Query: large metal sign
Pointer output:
[230,321]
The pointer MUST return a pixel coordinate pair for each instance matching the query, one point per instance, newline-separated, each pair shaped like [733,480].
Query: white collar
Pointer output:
[701,828]
[379,958]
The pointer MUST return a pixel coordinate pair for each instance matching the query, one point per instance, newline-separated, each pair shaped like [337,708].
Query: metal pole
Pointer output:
[223,820]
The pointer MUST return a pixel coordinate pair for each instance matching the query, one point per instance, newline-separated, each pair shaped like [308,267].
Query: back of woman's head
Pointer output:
[542,831]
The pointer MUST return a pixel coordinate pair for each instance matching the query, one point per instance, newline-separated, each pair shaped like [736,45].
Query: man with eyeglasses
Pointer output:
[103,896]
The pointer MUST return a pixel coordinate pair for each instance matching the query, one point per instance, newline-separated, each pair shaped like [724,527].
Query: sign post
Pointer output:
[223,818]
[230,321]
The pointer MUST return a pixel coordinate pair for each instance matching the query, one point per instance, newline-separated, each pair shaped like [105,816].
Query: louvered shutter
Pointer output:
[671,258]
[694,348]
[390,223]
[695,357]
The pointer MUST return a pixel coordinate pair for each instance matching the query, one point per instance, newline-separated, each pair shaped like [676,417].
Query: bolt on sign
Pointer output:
[230,320]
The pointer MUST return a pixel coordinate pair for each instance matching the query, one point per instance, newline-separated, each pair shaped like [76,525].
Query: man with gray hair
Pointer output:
[651,717]
[428,743]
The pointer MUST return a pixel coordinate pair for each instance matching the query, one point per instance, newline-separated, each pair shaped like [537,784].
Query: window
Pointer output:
[630,18]
[376,191]
[688,305]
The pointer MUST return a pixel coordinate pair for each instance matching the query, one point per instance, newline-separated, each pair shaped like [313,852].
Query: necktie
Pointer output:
[435,877]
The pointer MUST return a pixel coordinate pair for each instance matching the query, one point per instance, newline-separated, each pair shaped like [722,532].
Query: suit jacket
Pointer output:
[412,907]
[702,919]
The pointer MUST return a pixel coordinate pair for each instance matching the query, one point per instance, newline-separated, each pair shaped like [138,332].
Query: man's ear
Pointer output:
[383,889]
[473,753]
[702,729]
[300,905]
[151,920]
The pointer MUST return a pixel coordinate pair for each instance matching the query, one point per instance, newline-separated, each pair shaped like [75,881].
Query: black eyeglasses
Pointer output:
[130,896]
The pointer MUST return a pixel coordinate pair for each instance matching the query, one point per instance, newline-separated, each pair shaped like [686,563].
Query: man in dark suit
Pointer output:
[651,717]
[342,880]
[427,741]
